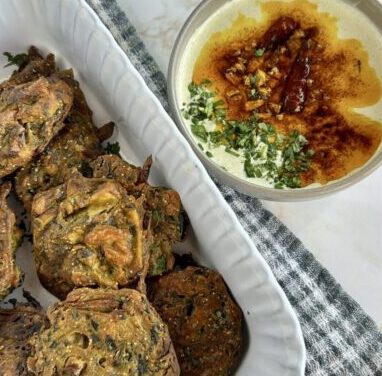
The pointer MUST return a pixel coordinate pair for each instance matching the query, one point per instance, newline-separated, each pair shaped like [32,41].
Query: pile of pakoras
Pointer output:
[100,233]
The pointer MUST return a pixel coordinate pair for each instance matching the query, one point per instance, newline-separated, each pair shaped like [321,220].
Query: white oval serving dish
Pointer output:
[116,91]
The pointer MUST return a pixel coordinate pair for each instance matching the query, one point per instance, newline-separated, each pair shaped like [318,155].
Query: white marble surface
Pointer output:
[343,231]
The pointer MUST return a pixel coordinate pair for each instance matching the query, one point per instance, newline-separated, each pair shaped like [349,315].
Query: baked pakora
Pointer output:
[164,212]
[10,238]
[17,326]
[31,114]
[205,324]
[73,148]
[104,332]
[87,232]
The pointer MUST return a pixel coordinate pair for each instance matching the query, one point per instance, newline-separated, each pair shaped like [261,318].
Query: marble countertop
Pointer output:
[343,231]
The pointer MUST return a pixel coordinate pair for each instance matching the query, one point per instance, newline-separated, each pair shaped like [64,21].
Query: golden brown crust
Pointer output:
[31,114]
[87,232]
[104,332]
[205,324]
[164,212]
[73,148]
[166,225]
[10,236]
[114,167]
[17,326]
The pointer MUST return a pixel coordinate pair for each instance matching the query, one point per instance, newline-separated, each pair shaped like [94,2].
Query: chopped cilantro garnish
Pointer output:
[259,52]
[202,107]
[18,59]
[199,130]
[278,158]
[230,151]
[253,80]
[113,148]
[254,93]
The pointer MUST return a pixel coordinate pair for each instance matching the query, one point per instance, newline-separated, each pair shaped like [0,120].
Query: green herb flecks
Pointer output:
[94,324]
[154,335]
[54,344]
[259,52]
[94,338]
[254,93]
[230,151]
[253,80]
[142,366]
[18,59]
[219,315]
[159,266]
[267,154]
[203,107]
[75,314]
[113,148]
[157,216]
[110,343]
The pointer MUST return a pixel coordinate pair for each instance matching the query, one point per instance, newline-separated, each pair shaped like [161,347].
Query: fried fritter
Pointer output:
[87,232]
[104,332]
[205,324]
[31,114]
[33,67]
[163,205]
[74,147]
[167,219]
[17,326]
[10,237]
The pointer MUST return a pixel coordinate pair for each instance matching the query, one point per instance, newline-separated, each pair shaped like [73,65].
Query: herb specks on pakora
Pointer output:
[124,344]
[202,319]
[18,60]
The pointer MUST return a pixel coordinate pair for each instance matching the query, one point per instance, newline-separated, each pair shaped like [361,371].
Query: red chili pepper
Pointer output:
[296,88]
[278,33]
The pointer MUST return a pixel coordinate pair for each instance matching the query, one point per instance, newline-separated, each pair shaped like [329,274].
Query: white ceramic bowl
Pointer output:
[196,34]
[116,91]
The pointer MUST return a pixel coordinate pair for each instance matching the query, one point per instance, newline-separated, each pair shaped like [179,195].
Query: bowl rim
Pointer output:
[226,177]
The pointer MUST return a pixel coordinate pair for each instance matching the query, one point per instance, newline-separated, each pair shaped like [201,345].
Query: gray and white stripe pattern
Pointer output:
[341,340]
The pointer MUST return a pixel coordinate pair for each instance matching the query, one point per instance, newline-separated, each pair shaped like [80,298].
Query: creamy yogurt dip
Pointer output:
[227,20]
